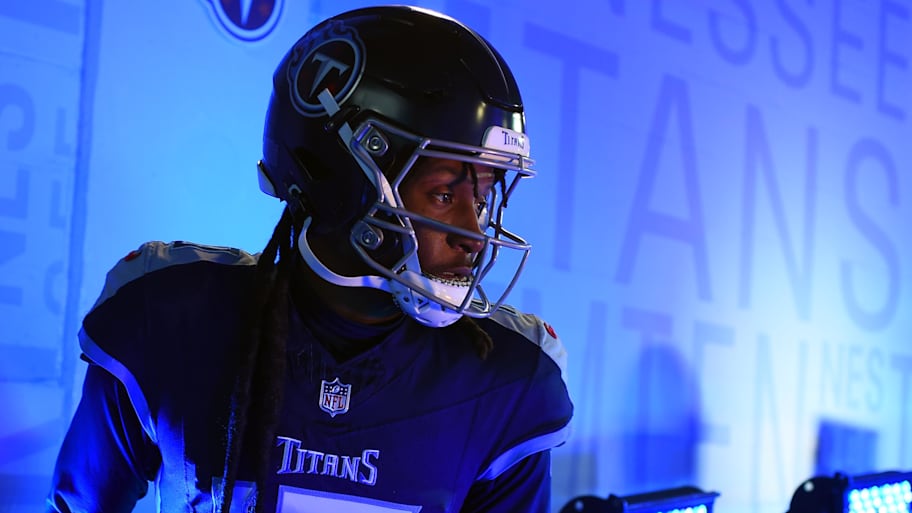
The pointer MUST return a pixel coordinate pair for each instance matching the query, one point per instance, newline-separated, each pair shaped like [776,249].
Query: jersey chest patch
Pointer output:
[335,397]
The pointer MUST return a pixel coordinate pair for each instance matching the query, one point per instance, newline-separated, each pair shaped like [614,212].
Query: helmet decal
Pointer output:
[334,62]
[502,138]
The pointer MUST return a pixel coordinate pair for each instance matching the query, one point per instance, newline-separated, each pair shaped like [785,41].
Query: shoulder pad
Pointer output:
[155,255]
[536,331]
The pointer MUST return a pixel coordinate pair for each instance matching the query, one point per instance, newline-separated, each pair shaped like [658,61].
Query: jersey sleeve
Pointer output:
[539,419]
[136,342]
[524,487]
[106,460]
[115,334]
[130,330]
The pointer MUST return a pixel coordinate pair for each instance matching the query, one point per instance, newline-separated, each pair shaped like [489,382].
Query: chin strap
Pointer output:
[423,310]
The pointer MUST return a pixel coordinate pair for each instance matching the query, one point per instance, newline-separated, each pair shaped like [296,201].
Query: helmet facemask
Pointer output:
[432,300]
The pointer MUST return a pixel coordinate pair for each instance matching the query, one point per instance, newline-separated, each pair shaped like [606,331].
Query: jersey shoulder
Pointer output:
[527,347]
[535,331]
[155,256]
[164,309]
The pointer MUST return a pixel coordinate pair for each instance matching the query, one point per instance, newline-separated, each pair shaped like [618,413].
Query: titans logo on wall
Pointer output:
[247,20]
[333,62]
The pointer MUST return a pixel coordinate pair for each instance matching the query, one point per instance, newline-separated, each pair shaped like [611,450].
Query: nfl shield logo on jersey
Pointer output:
[334,397]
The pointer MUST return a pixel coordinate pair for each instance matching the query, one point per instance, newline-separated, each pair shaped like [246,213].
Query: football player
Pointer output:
[362,362]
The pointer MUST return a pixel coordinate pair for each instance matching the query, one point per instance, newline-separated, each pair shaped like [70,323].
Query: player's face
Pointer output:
[450,192]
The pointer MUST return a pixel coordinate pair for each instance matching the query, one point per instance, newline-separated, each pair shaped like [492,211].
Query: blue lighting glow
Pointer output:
[693,509]
[720,221]
[886,498]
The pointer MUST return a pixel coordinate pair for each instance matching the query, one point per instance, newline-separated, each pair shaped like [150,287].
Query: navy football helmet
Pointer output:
[356,102]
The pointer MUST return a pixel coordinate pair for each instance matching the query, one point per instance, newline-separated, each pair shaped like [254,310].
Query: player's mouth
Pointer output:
[460,277]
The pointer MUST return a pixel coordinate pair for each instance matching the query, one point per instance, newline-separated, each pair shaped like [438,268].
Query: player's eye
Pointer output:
[443,197]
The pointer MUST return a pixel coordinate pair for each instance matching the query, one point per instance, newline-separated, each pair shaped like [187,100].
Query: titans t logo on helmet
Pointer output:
[334,62]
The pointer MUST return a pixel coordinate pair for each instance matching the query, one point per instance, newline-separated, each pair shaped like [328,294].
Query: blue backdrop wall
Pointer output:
[721,218]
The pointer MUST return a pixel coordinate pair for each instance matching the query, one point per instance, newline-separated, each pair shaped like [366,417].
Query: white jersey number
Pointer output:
[300,500]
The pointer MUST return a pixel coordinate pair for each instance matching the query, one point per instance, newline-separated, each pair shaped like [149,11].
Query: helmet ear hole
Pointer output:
[309,166]
[334,200]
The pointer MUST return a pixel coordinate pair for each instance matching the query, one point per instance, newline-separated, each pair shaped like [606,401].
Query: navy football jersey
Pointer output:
[416,422]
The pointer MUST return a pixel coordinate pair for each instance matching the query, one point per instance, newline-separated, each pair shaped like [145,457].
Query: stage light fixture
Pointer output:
[684,499]
[884,492]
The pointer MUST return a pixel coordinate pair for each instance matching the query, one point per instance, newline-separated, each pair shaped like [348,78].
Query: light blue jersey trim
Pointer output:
[527,448]
[119,371]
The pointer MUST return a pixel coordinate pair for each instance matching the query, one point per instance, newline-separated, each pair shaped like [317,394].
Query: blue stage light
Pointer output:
[885,492]
[684,499]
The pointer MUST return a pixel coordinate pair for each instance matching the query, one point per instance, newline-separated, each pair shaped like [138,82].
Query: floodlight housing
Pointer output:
[684,499]
[884,492]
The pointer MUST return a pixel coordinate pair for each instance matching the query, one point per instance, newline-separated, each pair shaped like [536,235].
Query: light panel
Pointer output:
[885,492]
[684,499]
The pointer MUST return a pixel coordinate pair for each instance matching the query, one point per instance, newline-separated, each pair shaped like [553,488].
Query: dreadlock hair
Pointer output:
[479,337]
[261,371]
